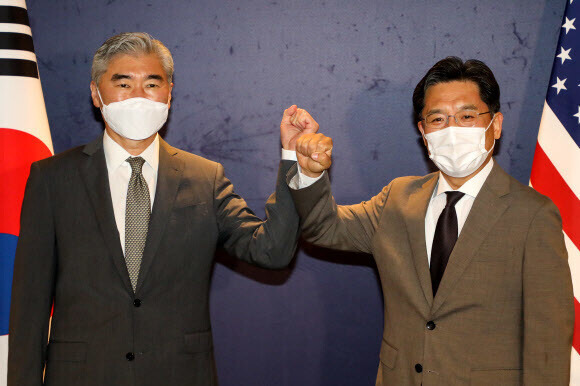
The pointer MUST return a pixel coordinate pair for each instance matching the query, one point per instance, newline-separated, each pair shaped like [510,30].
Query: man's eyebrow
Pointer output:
[468,107]
[120,76]
[155,76]
[440,111]
[435,111]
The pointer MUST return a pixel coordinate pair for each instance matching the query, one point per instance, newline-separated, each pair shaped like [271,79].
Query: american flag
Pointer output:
[24,138]
[556,167]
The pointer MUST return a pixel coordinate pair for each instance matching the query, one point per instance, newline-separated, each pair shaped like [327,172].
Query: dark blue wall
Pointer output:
[353,64]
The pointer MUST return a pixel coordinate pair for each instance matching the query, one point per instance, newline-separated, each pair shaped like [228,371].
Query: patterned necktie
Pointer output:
[444,239]
[137,215]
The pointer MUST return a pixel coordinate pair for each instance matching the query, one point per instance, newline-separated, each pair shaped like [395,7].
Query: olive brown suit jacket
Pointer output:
[503,313]
[69,255]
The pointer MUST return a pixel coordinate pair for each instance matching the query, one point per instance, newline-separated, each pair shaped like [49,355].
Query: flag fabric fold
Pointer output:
[556,166]
[24,138]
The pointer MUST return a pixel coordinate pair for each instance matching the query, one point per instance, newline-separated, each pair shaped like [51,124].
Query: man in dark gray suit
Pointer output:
[119,235]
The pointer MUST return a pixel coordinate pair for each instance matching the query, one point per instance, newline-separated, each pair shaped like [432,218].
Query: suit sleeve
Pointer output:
[270,243]
[548,302]
[32,288]
[344,227]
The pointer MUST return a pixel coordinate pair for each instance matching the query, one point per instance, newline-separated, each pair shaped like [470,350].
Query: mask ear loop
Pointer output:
[101,99]
[426,144]
[488,126]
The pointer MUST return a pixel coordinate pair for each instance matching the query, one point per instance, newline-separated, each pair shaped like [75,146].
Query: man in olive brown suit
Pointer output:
[473,266]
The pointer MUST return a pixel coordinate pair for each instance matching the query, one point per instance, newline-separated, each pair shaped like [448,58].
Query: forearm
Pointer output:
[327,224]
[270,243]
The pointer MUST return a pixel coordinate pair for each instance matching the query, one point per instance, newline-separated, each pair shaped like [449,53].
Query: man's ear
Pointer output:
[422,130]
[497,125]
[95,95]
[420,127]
[169,99]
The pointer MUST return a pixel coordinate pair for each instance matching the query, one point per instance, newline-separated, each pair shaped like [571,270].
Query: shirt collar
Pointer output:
[471,187]
[115,154]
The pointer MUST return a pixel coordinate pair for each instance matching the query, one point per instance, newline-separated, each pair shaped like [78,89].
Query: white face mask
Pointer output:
[135,118]
[458,151]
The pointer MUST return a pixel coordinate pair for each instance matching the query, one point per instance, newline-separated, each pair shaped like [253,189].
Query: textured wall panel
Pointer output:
[354,66]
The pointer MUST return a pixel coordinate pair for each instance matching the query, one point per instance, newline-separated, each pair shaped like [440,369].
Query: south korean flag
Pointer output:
[24,138]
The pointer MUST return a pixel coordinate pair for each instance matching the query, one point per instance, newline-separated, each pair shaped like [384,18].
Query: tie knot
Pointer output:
[136,164]
[453,197]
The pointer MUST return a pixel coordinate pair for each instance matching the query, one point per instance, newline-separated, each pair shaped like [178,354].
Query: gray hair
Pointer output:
[130,43]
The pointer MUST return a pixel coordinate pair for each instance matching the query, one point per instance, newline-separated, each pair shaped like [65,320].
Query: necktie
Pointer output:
[137,213]
[444,239]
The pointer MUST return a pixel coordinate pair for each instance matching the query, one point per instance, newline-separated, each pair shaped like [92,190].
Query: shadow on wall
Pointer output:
[252,272]
[348,318]
[280,277]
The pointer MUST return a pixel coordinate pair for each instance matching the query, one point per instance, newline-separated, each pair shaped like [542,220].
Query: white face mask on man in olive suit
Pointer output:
[458,151]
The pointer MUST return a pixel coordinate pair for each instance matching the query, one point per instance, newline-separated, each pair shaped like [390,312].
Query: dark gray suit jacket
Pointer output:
[504,311]
[69,252]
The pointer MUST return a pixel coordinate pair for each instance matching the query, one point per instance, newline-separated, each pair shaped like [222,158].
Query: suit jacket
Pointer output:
[69,252]
[503,313]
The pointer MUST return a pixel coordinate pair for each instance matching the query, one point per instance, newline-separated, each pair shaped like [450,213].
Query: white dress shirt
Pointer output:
[438,200]
[120,173]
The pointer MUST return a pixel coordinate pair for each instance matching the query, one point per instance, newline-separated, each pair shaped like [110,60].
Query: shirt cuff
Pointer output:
[289,155]
[301,180]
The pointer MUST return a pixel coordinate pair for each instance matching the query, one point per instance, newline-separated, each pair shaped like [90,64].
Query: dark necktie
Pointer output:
[444,239]
[137,215]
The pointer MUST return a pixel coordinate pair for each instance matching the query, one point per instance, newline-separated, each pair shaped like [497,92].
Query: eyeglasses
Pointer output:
[465,118]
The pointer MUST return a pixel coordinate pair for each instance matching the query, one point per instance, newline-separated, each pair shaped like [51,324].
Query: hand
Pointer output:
[295,122]
[314,153]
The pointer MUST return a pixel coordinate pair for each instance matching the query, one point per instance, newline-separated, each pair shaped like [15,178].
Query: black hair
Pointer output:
[451,69]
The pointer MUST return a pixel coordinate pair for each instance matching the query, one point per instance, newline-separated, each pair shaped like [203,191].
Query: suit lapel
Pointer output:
[96,178]
[485,212]
[168,178]
[415,220]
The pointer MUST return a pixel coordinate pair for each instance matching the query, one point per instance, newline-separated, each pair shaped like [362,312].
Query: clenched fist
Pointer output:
[298,131]
[314,153]
[295,123]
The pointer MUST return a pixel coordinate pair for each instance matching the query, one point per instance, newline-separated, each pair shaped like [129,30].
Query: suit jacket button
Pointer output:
[130,356]
[137,303]
[418,368]
[431,325]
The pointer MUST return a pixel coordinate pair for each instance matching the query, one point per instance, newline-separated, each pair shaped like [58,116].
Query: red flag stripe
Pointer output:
[546,180]
[576,338]
[18,149]
[560,148]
